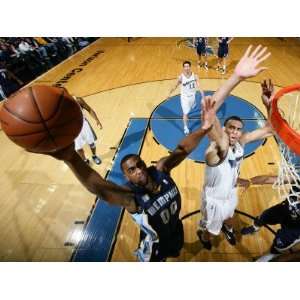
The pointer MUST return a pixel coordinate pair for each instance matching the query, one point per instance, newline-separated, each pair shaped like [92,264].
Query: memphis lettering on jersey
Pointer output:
[162,201]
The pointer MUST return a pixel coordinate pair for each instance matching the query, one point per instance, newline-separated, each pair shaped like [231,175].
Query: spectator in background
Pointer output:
[42,51]
[4,52]
[82,42]
[9,83]
[51,47]
[69,43]
[61,48]
[24,47]
[32,57]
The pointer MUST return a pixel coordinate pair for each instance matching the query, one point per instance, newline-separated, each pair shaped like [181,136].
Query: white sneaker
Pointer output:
[205,67]
[186,130]
[267,257]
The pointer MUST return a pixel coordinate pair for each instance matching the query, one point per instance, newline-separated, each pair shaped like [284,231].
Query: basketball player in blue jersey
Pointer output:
[286,214]
[223,53]
[188,82]
[151,196]
[201,44]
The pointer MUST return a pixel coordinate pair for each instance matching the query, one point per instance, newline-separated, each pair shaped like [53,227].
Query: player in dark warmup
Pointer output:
[151,195]
[200,44]
[286,213]
[223,53]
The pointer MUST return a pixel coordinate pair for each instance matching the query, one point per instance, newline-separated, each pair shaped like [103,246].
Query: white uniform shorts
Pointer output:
[187,103]
[86,136]
[216,210]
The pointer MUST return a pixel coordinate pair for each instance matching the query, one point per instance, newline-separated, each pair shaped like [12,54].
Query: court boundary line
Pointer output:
[166,79]
[115,230]
[91,212]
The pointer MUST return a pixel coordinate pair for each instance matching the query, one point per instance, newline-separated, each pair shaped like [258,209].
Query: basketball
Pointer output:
[41,119]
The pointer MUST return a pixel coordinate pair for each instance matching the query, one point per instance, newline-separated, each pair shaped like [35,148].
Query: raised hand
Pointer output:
[267,93]
[248,65]
[208,112]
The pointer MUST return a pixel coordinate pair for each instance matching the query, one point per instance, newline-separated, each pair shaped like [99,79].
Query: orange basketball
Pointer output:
[41,118]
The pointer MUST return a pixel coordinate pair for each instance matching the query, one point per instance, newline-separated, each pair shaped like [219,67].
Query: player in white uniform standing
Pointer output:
[225,153]
[87,135]
[189,82]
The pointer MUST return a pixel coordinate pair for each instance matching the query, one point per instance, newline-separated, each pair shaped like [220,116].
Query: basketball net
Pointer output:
[285,119]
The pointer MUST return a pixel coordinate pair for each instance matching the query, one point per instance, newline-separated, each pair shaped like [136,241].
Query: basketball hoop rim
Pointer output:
[288,135]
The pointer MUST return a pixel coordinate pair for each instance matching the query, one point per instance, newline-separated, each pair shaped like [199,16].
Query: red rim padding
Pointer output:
[288,135]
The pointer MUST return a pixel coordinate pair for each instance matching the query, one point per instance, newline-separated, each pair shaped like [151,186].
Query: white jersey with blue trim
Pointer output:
[221,179]
[188,85]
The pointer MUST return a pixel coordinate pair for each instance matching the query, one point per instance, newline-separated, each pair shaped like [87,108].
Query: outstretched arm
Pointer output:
[90,110]
[263,179]
[93,181]
[267,130]
[198,86]
[267,94]
[258,134]
[190,142]
[247,67]
[175,87]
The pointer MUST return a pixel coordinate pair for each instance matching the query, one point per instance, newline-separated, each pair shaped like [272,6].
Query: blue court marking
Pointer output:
[166,122]
[99,234]
[171,108]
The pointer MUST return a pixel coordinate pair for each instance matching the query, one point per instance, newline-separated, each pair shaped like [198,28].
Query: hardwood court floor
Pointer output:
[40,199]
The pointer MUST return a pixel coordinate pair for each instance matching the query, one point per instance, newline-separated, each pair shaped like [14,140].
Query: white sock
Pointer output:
[267,257]
[256,227]
[229,228]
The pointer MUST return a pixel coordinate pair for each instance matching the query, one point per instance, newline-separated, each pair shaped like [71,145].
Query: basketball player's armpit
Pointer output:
[215,154]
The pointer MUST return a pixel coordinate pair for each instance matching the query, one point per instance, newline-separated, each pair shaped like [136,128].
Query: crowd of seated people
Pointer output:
[23,59]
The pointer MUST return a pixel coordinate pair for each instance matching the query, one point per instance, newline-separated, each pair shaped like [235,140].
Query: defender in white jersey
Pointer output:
[189,82]
[87,134]
[225,153]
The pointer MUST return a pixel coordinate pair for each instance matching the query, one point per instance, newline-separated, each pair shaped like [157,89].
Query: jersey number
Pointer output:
[192,85]
[166,213]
